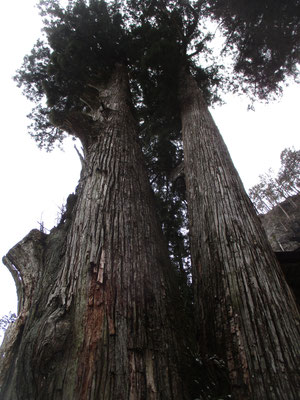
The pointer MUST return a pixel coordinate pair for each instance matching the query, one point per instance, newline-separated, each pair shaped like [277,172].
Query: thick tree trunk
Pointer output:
[96,306]
[247,315]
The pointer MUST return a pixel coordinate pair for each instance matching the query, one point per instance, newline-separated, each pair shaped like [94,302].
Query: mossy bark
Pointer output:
[96,318]
[246,312]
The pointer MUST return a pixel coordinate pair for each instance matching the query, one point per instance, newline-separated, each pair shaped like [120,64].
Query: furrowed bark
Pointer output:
[247,314]
[101,323]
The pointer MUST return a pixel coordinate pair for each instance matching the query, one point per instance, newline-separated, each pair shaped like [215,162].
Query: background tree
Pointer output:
[289,174]
[273,189]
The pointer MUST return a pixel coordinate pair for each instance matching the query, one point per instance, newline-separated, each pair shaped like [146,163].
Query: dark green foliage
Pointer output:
[43,130]
[82,43]
[264,38]
[155,39]
[170,35]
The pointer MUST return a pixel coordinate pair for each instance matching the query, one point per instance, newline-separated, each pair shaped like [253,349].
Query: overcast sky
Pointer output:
[34,184]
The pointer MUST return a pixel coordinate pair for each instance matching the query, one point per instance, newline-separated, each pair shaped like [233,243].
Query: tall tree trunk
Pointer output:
[247,314]
[96,318]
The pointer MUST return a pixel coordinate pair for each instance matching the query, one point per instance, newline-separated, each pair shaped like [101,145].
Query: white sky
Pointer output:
[34,184]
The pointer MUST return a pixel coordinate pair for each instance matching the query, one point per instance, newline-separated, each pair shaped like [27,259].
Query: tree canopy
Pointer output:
[155,39]
[264,39]
[81,44]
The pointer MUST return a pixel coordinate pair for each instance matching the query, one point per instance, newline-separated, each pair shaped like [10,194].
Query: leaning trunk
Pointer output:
[246,312]
[96,316]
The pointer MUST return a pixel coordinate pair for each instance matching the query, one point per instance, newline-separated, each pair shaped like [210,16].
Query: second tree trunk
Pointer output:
[246,312]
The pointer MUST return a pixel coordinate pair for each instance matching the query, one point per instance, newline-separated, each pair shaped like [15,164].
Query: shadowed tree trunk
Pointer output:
[96,295]
[246,313]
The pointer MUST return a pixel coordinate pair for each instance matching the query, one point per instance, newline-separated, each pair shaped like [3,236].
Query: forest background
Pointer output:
[35,184]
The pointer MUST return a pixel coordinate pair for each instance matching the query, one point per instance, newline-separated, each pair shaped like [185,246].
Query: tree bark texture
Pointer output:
[97,307]
[246,312]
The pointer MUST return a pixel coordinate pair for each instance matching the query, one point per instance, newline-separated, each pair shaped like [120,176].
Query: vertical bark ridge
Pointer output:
[126,266]
[246,310]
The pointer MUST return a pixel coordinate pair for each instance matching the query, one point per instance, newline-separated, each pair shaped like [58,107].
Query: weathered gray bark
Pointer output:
[97,310]
[247,315]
